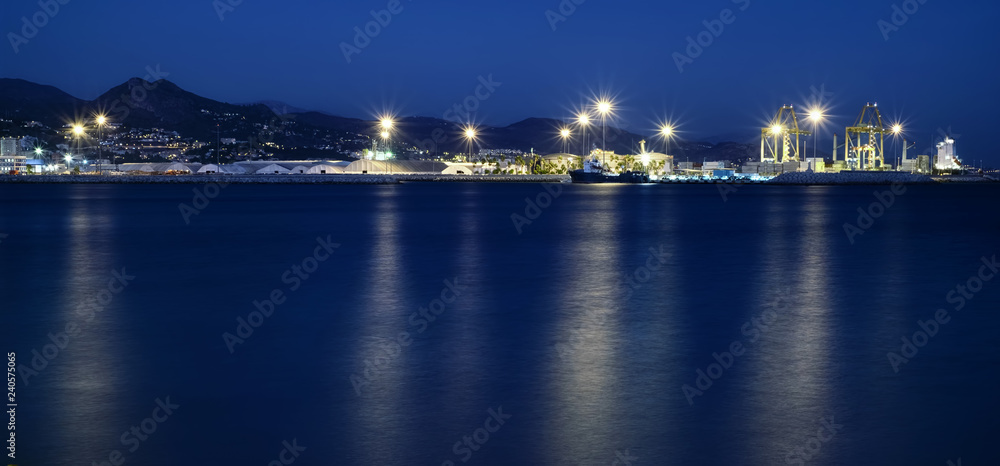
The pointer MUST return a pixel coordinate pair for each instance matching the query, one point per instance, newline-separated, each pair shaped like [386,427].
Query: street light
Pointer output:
[815,116]
[896,129]
[100,120]
[565,135]
[604,107]
[77,133]
[583,120]
[667,131]
[470,134]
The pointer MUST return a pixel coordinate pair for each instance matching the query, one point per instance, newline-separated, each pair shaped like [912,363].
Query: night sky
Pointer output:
[936,71]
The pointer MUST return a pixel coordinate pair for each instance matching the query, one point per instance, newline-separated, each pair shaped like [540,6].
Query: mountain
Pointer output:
[162,104]
[20,99]
[296,133]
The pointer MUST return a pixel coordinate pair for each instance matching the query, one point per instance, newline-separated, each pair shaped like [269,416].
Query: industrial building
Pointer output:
[946,158]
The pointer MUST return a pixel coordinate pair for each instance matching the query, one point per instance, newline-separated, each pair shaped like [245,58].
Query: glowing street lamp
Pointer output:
[776,130]
[564,133]
[470,135]
[101,120]
[815,116]
[584,121]
[666,131]
[604,107]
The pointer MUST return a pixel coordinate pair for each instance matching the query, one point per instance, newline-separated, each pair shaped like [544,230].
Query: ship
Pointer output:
[594,172]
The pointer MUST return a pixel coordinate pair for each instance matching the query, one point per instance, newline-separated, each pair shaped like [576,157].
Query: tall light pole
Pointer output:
[470,135]
[584,121]
[816,116]
[896,129]
[100,120]
[387,125]
[667,131]
[77,134]
[604,107]
[564,133]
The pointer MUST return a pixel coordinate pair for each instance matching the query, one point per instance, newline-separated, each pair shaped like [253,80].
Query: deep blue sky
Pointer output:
[937,71]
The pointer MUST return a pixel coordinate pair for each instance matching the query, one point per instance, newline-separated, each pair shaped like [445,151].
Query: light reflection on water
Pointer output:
[619,387]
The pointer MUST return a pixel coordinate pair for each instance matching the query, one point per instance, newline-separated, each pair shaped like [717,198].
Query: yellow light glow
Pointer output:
[777,129]
[896,129]
[667,130]
[77,130]
[387,123]
[604,107]
[385,134]
[101,119]
[583,119]
[564,133]
[470,133]
[815,116]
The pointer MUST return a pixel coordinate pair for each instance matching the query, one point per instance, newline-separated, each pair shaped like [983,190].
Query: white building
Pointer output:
[946,158]
[11,160]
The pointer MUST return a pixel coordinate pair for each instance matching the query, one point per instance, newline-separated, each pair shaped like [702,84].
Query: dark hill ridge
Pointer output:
[138,103]
[162,104]
[30,101]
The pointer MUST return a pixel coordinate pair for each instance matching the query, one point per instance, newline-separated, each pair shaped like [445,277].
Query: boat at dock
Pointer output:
[594,172]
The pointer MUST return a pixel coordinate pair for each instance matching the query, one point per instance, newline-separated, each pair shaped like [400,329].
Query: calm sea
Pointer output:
[441,324]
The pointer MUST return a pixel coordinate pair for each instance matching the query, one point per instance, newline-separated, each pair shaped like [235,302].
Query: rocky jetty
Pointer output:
[842,178]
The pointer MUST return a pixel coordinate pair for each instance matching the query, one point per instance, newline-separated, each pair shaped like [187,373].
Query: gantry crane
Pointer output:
[863,148]
[776,140]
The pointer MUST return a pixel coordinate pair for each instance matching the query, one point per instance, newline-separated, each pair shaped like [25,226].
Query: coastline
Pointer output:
[275,179]
[788,179]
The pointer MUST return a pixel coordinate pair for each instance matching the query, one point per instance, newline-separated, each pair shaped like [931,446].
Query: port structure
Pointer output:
[865,141]
[776,140]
